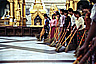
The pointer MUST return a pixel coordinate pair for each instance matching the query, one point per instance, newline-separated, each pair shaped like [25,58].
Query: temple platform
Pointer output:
[27,50]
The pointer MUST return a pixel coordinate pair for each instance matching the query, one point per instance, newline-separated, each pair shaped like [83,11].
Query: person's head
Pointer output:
[85,8]
[58,15]
[53,16]
[94,1]
[45,16]
[66,12]
[57,12]
[77,14]
[61,11]
[70,11]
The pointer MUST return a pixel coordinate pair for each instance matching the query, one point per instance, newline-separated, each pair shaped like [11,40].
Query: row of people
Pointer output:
[88,49]
[69,32]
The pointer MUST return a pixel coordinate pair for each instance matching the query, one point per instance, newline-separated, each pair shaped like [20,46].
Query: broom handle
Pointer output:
[62,35]
[42,32]
[50,32]
[72,38]
[65,32]
[75,62]
[86,56]
[81,40]
[82,37]
[61,39]
[55,33]
[69,36]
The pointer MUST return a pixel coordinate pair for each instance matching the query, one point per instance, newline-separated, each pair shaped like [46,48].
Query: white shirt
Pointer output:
[53,22]
[62,20]
[73,20]
[93,13]
[79,22]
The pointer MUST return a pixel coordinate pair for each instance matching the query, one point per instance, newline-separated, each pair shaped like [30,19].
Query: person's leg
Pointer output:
[45,36]
[52,32]
[78,35]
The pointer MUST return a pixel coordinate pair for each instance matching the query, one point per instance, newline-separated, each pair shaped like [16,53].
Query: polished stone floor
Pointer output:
[27,50]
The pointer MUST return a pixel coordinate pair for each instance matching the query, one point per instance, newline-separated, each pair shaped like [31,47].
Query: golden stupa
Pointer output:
[37,18]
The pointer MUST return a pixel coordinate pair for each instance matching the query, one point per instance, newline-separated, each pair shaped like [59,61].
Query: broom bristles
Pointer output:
[52,43]
[57,45]
[66,49]
[78,48]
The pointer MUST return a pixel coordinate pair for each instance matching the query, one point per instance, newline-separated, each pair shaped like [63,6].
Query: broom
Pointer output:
[77,60]
[59,43]
[42,32]
[66,49]
[80,42]
[49,35]
[90,51]
[53,42]
[57,36]
[86,56]
[62,37]
[57,49]
[66,39]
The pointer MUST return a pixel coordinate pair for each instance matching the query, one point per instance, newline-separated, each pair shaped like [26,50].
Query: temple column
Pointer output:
[75,5]
[21,9]
[89,0]
[71,4]
[24,14]
[67,5]
[15,8]
[11,12]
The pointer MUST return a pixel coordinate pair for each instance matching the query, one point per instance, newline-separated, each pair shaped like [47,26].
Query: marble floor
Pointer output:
[27,50]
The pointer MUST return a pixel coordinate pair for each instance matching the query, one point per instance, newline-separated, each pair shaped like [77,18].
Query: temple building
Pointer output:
[29,13]
[61,4]
[76,4]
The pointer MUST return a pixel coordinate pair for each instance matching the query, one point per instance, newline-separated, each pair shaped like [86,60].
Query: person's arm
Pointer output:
[63,20]
[69,23]
[91,33]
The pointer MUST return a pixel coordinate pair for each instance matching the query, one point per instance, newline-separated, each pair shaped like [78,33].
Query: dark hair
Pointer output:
[94,1]
[77,12]
[66,11]
[45,15]
[52,16]
[57,13]
[85,7]
[70,10]
[62,11]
